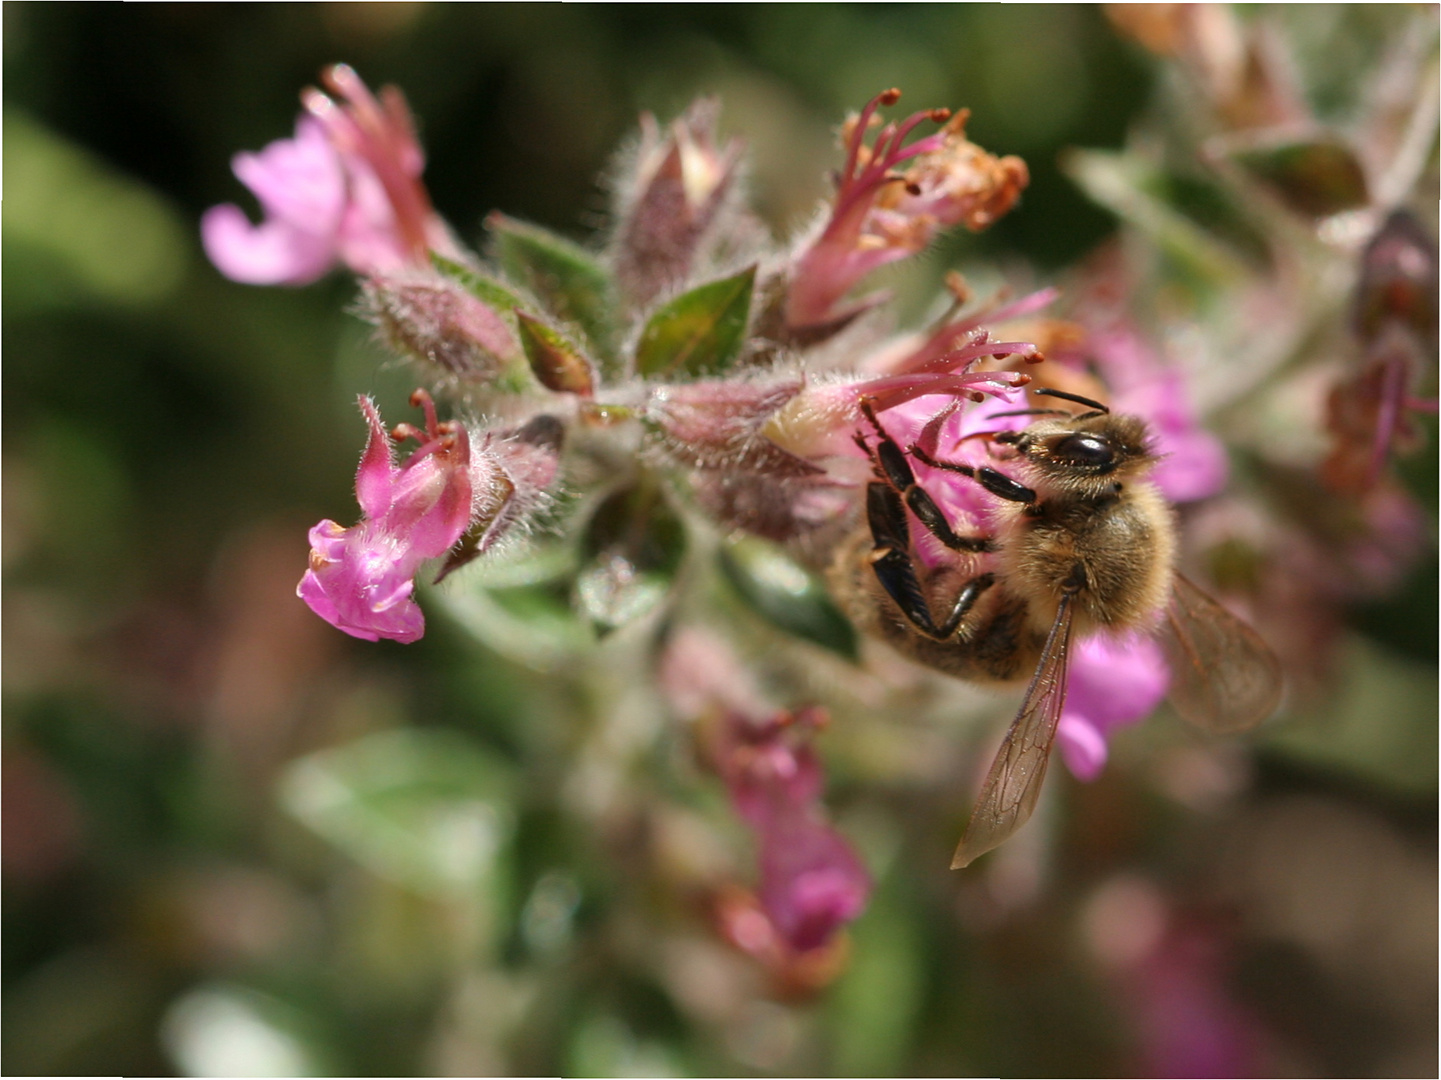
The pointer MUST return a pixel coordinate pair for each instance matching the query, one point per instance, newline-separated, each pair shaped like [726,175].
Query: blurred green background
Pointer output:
[169,436]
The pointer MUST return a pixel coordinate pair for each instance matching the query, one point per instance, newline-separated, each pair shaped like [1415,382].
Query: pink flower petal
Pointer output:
[361,579]
[377,470]
[272,253]
[812,883]
[1082,747]
[1113,682]
[299,180]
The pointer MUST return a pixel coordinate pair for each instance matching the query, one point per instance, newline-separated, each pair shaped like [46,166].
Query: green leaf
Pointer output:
[634,543]
[873,1009]
[786,594]
[133,249]
[566,278]
[701,331]
[1317,177]
[1128,188]
[485,288]
[526,623]
[423,808]
[557,363]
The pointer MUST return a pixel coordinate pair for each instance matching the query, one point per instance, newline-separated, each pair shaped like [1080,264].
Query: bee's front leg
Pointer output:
[998,484]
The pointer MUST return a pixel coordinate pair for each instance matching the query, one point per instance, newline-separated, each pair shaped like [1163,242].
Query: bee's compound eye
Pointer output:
[1079,449]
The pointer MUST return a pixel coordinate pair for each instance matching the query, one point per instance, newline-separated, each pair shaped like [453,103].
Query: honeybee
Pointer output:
[1082,542]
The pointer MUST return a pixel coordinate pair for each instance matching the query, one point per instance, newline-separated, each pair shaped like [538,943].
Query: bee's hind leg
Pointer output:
[965,601]
[896,572]
[891,556]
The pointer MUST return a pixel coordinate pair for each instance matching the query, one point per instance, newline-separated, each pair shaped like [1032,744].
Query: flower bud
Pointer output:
[436,321]
[674,194]
[718,425]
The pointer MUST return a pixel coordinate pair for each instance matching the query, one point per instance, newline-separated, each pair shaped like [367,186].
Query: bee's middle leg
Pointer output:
[891,466]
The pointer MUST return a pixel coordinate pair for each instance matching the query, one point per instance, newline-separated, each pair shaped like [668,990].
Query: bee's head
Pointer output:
[1087,455]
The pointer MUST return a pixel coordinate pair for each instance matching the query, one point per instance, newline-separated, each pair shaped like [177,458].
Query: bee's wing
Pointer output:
[1014,783]
[1223,676]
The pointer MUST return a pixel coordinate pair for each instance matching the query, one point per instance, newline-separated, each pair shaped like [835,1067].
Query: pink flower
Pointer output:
[1193,462]
[346,188]
[820,420]
[811,882]
[967,337]
[300,184]
[1113,683]
[361,578]
[1170,971]
[881,215]
[1188,1024]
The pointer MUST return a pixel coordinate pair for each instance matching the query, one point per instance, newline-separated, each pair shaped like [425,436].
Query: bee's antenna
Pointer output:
[1029,412]
[1077,398]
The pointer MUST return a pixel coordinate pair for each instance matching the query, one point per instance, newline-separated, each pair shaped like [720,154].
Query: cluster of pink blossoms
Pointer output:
[812,883]
[692,338]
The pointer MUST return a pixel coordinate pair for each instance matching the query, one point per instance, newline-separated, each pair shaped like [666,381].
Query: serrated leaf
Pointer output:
[786,594]
[701,331]
[481,286]
[566,278]
[424,808]
[557,363]
[633,547]
[1318,177]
